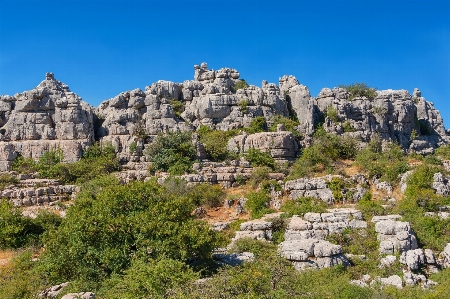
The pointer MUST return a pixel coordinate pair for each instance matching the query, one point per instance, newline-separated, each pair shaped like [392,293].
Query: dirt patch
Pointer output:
[5,257]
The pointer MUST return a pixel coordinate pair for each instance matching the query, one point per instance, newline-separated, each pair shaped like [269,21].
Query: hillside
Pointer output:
[212,188]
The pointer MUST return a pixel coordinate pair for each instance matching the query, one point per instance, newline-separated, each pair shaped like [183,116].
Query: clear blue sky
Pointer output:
[101,48]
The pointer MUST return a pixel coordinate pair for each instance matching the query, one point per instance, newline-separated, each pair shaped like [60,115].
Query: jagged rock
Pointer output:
[82,295]
[395,236]
[444,257]
[320,225]
[393,280]
[53,291]
[234,259]
[312,253]
[385,186]
[254,229]
[280,145]
[387,261]
[42,119]
[305,187]
[220,226]
[403,181]
[440,184]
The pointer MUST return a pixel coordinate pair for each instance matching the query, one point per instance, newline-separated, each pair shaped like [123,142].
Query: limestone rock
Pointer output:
[395,236]
[82,295]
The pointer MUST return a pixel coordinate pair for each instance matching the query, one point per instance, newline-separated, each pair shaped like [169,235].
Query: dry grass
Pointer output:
[5,257]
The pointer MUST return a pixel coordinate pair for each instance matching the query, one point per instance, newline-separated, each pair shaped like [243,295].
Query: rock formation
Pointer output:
[51,116]
[42,119]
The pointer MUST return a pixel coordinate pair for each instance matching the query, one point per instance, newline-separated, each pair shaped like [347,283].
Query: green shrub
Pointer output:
[215,143]
[259,175]
[172,152]
[177,106]
[207,195]
[24,165]
[18,231]
[243,106]
[257,125]
[6,180]
[133,146]
[289,124]
[360,90]
[444,152]
[347,126]
[332,114]
[258,204]
[241,84]
[258,158]
[103,231]
[323,153]
[150,279]
[386,165]
[303,205]
[369,207]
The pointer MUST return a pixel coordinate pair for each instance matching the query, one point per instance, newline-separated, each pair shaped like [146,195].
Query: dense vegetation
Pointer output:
[141,240]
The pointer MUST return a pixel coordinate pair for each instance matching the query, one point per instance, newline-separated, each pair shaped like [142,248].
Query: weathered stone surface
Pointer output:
[444,257]
[82,295]
[280,145]
[234,259]
[393,280]
[395,236]
[53,291]
[440,184]
[312,253]
[42,119]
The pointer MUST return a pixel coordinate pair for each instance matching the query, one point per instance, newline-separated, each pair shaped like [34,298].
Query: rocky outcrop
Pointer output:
[280,145]
[393,115]
[417,259]
[318,188]
[31,191]
[312,253]
[440,184]
[320,225]
[42,119]
[394,236]
[51,116]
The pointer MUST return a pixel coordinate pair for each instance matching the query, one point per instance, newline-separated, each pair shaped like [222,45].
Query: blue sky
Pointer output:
[101,48]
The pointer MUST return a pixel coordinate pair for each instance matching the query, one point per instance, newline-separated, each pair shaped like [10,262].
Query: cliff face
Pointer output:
[47,117]
[51,116]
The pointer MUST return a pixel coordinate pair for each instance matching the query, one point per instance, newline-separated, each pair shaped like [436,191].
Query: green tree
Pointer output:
[360,90]
[104,229]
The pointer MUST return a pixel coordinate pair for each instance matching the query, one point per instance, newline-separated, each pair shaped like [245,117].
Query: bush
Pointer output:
[241,84]
[289,124]
[18,231]
[243,106]
[369,207]
[215,143]
[360,90]
[150,279]
[6,180]
[177,106]
[103,231]
[386,165]
[303,205]
[23,165]
[206,195]
[257,125]
[259,174]
[258,158]
[172,152]
[322,154]
[444,152]
[258,204]
[332,114]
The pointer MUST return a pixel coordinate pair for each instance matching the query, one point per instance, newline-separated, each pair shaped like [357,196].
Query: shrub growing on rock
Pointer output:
[360,90]
[172,152]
